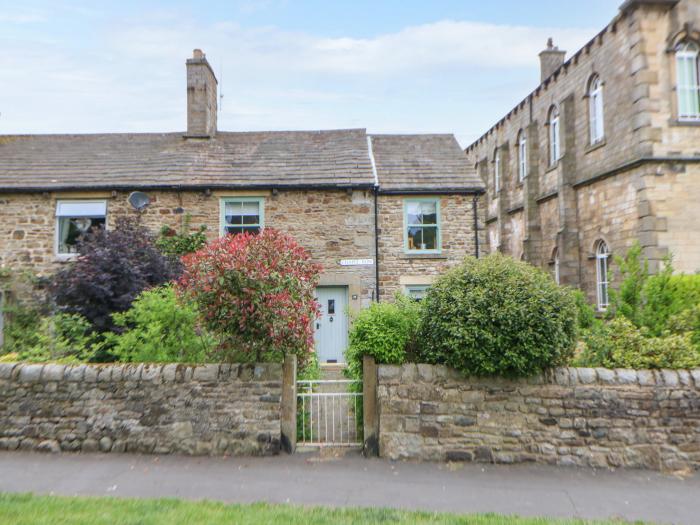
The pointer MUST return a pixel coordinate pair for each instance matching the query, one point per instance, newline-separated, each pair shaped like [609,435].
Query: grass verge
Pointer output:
[28,509]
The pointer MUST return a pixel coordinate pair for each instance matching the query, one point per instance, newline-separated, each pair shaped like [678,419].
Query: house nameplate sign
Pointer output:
[356,262]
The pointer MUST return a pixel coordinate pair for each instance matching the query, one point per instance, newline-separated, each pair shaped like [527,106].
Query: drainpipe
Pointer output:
[370,153]
[475,202]
[376,242]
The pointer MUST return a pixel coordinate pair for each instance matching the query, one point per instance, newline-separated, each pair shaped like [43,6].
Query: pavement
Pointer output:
[349,480]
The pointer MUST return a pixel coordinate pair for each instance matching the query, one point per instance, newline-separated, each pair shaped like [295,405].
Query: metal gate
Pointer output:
[329,413]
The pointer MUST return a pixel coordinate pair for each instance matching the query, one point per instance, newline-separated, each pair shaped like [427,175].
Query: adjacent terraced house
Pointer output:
[604,152]
[381,213]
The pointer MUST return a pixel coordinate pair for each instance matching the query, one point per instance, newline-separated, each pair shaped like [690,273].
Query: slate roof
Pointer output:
[422,162]
[335,158]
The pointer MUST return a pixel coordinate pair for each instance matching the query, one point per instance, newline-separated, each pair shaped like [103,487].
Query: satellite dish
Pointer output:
[139,200]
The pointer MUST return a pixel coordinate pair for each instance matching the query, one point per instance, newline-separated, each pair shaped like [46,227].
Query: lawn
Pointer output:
[26,509]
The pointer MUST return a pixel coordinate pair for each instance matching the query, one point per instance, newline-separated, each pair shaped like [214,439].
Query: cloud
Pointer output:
[435,77]
[437,45]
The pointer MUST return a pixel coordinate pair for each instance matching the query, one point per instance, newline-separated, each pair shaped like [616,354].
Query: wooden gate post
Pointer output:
[289,404]
[370,414]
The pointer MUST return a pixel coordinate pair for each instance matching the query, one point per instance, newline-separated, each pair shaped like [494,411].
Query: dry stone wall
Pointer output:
[570,416]
[195,410]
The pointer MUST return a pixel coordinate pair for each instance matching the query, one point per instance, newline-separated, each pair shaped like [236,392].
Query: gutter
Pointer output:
[185,187]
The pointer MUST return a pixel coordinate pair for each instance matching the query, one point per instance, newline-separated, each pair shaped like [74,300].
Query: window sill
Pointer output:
[593,147]
[552,167]
[58,258]
[419,256]
[681,123]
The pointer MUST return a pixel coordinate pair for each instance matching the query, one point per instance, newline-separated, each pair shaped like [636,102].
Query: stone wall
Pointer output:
[161,409]
[397,268]
[583,417]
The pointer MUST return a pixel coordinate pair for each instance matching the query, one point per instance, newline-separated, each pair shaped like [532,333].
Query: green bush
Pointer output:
[159,327]
[177,244]
[651,301]
[688,321]
[385,331]
[59,338]
[498,316]
[620,344]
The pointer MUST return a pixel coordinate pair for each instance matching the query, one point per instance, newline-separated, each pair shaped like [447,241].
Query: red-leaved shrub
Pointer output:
[256,292]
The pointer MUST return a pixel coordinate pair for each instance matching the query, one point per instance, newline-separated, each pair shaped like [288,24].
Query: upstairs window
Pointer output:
[522,156]
[496,170]
[688,83]
[241,214]
[73,220]
[601,263]
[595,110]
[554,149]
[422,225]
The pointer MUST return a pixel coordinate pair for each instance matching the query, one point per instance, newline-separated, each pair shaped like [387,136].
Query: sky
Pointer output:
[391,66]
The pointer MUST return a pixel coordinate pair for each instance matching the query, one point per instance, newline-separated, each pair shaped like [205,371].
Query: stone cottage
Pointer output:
[381,213]
[604,152]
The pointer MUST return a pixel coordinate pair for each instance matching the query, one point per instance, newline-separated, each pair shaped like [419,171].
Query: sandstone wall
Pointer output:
[398,268]
[584,417]
[194,410]
[332,225]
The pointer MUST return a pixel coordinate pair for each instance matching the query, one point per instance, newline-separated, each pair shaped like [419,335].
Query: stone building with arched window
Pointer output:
[604,152]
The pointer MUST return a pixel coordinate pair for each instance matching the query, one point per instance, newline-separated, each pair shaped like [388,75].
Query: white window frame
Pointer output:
[687,57]
[596,113]
[602,254]
[420,288]
[554,144]
[497,170]
[522,156]
[230,200]
[556,262]
[438,227]
[57,217]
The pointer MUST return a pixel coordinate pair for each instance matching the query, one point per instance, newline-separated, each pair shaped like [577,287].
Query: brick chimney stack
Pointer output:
[550,60]
[201,97]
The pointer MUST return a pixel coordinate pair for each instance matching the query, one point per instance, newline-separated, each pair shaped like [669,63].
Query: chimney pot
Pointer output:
[197,53]
[551,59]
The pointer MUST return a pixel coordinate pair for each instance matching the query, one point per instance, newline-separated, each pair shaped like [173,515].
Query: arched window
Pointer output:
[555,262]
[595,109]
[601,264]
[496,170]
[554,148]
[522,156]
[687,81]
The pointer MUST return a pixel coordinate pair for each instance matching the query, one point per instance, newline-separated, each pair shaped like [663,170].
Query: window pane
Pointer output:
[243,212]
[81,209]
[430,238]
[71,229]
[429,210]
[422,238]
[415,238]
[234,230]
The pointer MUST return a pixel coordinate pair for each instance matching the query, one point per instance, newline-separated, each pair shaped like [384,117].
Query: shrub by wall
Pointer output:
[386,331]
[497,316]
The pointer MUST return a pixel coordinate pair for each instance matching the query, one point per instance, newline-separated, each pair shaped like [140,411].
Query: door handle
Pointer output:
[330,319]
